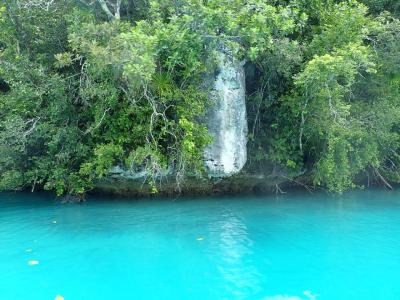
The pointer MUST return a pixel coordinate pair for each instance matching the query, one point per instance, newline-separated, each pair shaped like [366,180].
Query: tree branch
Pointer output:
[105,8]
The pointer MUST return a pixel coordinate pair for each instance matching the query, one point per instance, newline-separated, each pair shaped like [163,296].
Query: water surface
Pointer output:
[296,246]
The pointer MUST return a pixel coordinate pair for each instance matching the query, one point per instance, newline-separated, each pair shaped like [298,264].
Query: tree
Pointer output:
[87,85]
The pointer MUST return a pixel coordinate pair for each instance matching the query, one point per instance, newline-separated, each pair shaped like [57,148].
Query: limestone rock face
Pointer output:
[226,118]
[226,121]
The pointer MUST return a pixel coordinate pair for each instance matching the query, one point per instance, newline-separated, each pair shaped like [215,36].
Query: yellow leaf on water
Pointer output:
[58,297]
[200,238]
[33,262]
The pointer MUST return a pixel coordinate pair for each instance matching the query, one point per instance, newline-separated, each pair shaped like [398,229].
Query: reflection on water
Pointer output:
[235,251]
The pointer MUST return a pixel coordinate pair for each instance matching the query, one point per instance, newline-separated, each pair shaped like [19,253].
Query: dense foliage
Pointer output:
[86,85]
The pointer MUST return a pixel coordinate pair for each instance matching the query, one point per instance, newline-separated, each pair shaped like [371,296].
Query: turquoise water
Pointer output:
[297,246]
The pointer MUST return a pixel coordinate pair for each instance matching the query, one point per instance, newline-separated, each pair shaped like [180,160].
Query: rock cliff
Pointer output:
[226,118]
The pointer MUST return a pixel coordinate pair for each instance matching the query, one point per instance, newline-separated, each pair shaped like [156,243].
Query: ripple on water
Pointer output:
[295,247]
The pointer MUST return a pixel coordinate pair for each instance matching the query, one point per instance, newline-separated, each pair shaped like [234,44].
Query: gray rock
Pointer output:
[226,118]
[132,174]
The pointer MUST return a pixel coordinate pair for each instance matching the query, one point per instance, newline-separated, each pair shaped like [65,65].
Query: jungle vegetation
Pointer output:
[89,84]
